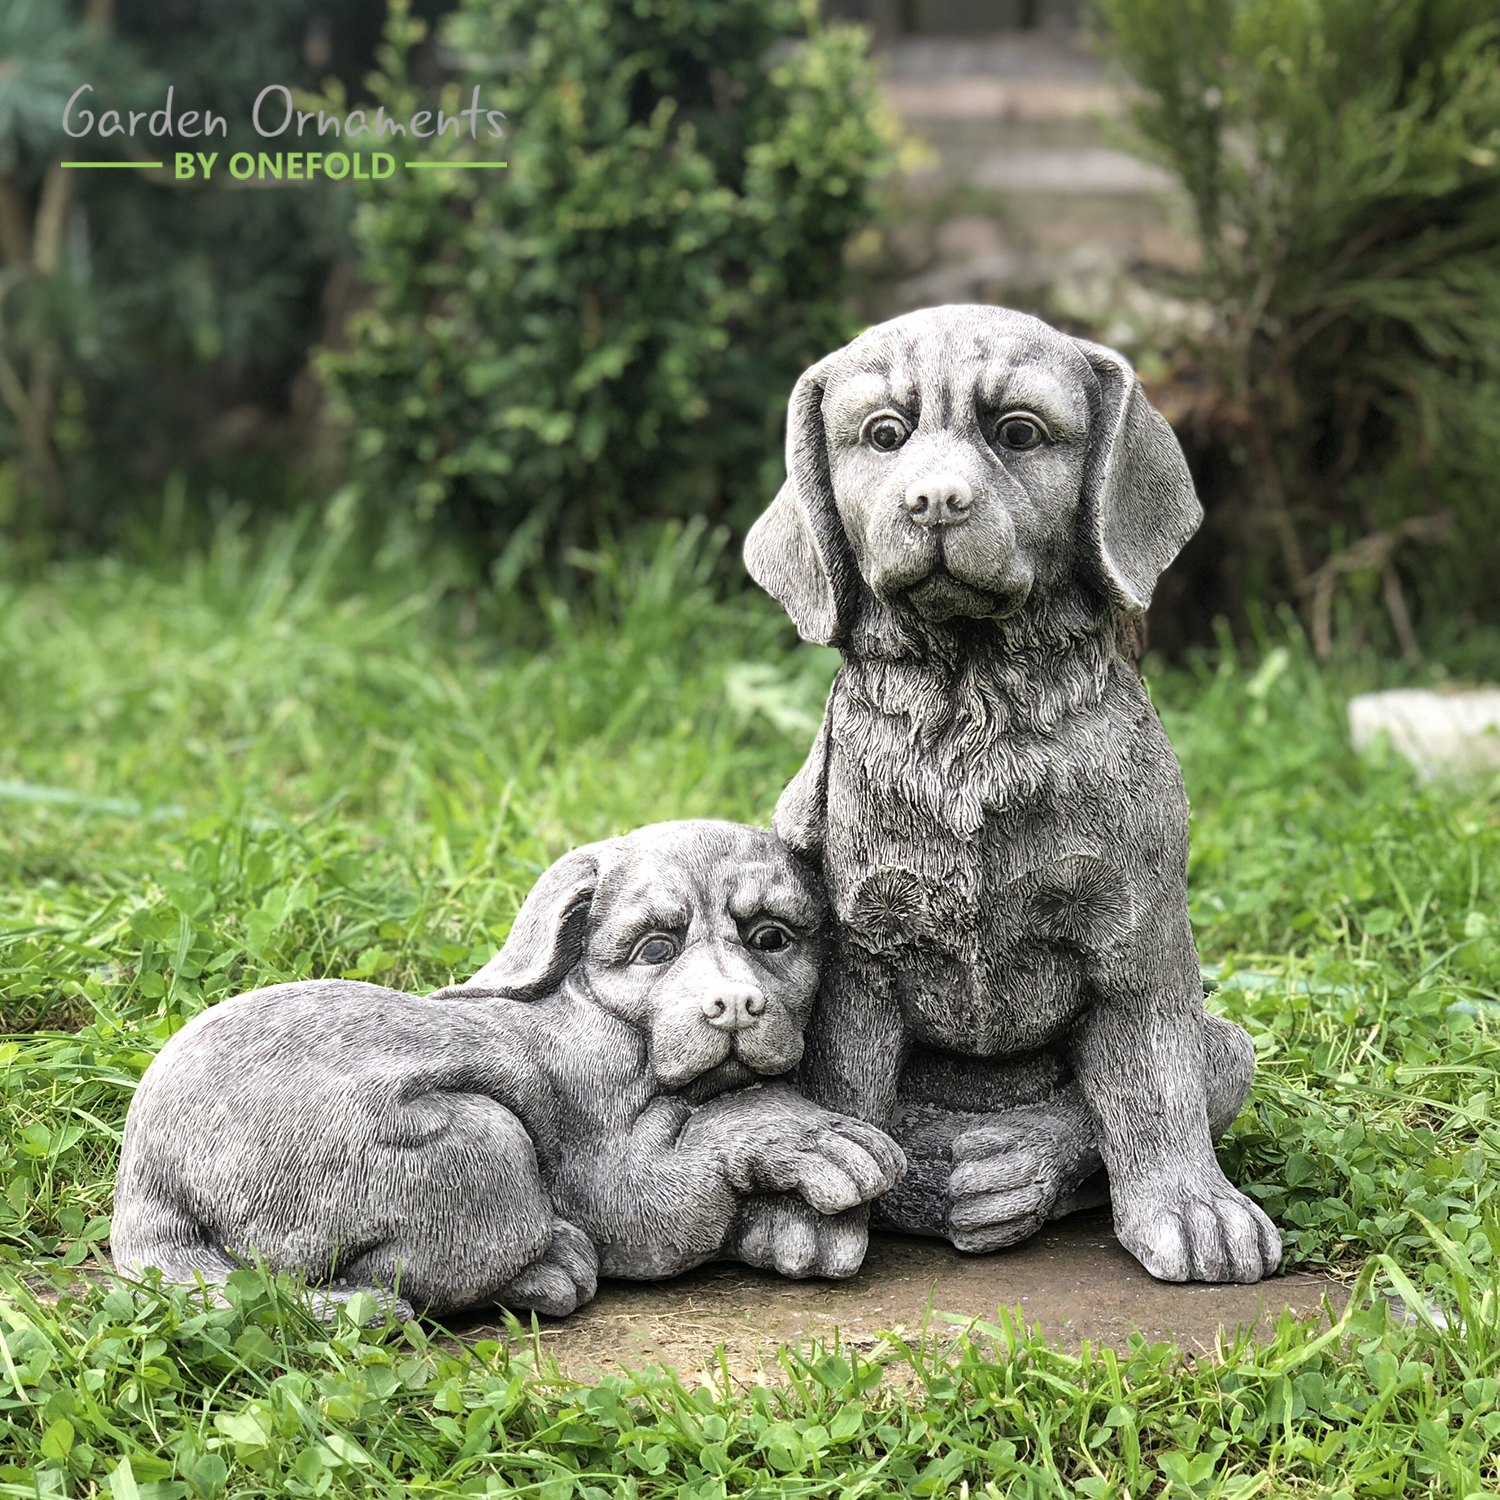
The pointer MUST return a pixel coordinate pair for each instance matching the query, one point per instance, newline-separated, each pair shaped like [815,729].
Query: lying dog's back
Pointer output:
[296,1121]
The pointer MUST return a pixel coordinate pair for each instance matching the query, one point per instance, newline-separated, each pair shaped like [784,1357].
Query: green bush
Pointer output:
[611,327]
[1342,158]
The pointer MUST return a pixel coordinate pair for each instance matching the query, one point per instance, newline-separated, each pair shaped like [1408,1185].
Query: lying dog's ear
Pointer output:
[796,551]
[547,938]
[1139,505]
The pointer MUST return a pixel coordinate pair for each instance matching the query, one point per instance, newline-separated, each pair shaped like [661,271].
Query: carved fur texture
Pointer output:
[1014,992]
[603,1097]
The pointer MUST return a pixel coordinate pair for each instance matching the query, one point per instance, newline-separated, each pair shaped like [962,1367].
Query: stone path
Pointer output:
[1025,197]
[1073,1279]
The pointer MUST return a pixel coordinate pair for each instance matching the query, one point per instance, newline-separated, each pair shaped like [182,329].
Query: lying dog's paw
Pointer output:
[833,1161]
[783,1234]
[1185,1227]
[563,1278]
[1007,1179]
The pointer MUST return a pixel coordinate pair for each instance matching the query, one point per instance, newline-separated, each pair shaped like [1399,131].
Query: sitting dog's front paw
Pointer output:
[783,1234]
[1007,1179]
[833,1161]
[563,1278]
[1195,1228]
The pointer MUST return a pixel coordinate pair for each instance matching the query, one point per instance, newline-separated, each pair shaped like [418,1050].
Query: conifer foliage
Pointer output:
[1342,159]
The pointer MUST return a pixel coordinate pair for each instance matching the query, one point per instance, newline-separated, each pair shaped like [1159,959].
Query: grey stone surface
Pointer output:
[998,98]
[973,500]
[1438,733]
[604,1096]
[1073,1280]
[1013,56]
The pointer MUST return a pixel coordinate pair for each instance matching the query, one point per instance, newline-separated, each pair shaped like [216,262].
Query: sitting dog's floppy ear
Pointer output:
[1139,506]
[796,551]
[547,938]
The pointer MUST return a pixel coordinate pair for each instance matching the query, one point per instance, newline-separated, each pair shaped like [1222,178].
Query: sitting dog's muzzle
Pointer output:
[949,548]
[939,500]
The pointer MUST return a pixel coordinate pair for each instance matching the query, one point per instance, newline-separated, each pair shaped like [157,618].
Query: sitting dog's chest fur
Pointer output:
[989,843]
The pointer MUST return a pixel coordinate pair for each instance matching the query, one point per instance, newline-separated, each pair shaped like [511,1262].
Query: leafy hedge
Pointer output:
[611,327]
[149,327]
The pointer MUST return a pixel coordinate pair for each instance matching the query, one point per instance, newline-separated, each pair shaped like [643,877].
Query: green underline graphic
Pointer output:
[414,165]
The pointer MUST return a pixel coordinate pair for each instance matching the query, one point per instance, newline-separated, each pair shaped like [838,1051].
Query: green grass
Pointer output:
[252,769]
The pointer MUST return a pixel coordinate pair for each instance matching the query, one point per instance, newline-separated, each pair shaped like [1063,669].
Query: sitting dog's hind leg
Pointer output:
[1012,1172]
[985,1180]
[1228,1071]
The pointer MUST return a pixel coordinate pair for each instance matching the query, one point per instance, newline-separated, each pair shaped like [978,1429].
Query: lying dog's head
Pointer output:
[702,935]
[960,461]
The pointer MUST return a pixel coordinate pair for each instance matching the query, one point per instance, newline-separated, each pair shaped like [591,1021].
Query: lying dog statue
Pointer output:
[997,812]
[589,1102]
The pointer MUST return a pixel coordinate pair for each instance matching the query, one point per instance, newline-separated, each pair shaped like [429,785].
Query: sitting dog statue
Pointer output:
[591,1101]
[1014,992]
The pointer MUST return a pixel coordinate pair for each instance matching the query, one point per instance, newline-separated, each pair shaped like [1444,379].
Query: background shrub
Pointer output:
[611,328]
[1342,158]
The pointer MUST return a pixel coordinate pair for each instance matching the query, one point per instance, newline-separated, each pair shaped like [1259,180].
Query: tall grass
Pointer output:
[258,768]
[151,1393]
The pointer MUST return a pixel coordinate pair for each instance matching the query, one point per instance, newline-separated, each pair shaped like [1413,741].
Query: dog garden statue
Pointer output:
[600,1097]
[1013,989]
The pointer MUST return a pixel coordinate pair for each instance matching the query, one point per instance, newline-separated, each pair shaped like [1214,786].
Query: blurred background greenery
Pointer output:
[1295,233]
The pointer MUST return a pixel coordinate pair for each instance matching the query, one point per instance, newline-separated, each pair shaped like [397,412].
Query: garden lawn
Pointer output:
[251,770]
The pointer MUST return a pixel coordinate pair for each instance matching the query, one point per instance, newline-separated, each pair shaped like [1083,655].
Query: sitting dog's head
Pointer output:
[704,936]
[960,461]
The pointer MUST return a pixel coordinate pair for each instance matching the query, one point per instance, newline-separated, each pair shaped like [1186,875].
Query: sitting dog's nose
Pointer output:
[939,500]
[734,1008]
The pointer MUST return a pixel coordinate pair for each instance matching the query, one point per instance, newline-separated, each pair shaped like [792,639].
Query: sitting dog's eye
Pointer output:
[1020,431]
[770,938]
[655,949]
[885,432]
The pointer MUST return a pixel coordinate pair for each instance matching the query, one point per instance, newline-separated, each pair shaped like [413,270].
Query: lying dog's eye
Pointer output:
[771,938]
[887,433]
[655,949]
[1020,432]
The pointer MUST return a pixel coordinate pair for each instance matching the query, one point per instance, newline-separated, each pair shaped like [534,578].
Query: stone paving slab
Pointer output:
[1085,170]
[1004,54]
[1073,1279]
[1019,192]
[1006,100]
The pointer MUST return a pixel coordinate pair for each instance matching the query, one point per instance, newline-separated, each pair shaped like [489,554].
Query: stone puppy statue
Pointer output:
[591,1101]
[992,800]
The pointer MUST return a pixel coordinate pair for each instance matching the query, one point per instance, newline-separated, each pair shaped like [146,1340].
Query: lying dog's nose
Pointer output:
[734,1008]
[939,500]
